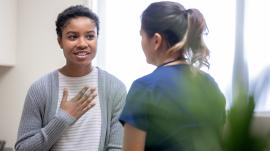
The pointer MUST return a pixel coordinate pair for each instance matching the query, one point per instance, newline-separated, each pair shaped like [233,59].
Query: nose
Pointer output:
[82,43]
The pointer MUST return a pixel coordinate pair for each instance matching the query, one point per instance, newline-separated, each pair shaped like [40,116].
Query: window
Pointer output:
[257,49]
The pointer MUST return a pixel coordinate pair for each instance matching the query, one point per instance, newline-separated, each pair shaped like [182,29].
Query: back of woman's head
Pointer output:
[182,30]
[72,12]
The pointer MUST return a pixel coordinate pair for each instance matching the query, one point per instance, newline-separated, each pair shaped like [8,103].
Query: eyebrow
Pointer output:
[74,32]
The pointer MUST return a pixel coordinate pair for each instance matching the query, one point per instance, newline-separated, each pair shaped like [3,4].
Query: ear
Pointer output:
[59,39]
[157,41]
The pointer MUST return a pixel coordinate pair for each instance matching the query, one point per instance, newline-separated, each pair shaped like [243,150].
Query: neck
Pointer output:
[75,71]
[173,61]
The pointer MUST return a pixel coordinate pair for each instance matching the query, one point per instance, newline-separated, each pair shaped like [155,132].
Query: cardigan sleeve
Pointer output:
[117,95]
[31,134]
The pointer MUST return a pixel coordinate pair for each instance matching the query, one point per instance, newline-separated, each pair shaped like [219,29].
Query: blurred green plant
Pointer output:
[238,135]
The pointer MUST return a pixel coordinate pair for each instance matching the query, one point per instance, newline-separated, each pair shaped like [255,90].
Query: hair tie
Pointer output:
[188,11]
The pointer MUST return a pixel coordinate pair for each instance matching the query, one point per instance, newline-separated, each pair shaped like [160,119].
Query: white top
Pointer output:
[84,134]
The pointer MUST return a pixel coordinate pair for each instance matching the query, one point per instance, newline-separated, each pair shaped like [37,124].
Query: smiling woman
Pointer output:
[79,42]
[77,98]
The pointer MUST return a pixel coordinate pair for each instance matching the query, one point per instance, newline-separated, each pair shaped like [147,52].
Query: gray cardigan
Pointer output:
[40,126]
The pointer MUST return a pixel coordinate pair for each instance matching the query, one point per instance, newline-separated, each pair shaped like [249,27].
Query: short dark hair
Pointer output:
[73,12]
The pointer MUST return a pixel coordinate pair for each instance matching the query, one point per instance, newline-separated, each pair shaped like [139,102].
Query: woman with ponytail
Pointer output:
[177,106]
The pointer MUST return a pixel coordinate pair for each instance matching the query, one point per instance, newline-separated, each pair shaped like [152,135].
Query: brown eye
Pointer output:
[90,37]
[72,37]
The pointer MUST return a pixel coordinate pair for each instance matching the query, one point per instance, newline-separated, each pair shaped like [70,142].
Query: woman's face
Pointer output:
[147,46]
[79,41]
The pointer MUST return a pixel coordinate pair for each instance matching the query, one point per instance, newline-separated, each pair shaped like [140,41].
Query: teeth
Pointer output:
[81,53]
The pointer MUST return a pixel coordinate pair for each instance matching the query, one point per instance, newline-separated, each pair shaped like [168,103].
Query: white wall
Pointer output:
[8,20]
[37,53]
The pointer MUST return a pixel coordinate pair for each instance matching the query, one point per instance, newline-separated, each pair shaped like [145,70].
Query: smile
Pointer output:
[82,54]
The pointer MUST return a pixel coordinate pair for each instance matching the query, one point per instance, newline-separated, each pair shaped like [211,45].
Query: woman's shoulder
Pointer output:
[144,83]
[209,78]
[105,74]
[108,78]
[44,80]
[209,83]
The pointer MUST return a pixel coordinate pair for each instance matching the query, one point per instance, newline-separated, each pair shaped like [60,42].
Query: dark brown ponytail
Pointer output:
[197,50]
